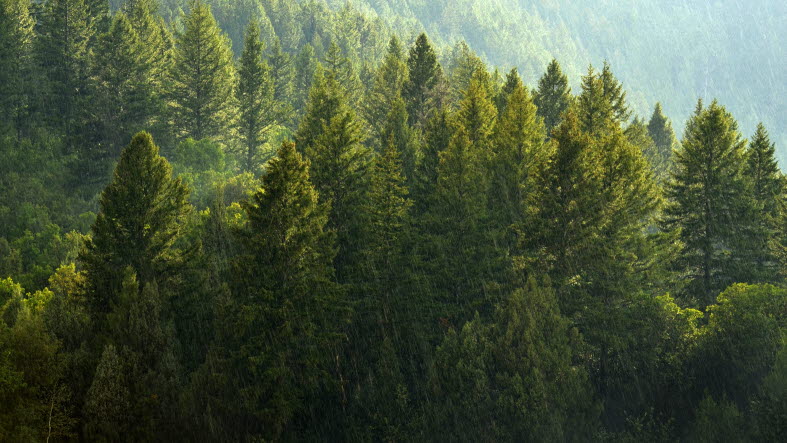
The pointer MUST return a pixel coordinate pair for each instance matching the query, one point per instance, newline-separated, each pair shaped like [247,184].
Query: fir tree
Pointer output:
[614,93]
[437,136]
[519,153]
[660,131]
[202,77]
[138,224]
[287,317]
[305,68]
[16,46]
[388,82]
[123,83]
[424,74]
[763,171]
[67,29]
[283,75]
[513,81]
[553,96]
[255,95]
[709,203]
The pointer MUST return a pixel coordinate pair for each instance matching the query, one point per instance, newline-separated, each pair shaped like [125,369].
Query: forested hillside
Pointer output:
[267,220]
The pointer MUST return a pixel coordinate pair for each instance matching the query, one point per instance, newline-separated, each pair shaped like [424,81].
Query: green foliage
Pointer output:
[553,96]
[255,95]
[142,235]
[424,74]
[202,77]
[710,203]
[514,379]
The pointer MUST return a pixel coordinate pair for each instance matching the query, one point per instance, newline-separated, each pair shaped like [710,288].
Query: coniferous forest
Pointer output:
[282,220]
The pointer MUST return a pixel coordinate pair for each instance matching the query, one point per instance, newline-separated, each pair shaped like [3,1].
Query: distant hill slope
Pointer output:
[673,51]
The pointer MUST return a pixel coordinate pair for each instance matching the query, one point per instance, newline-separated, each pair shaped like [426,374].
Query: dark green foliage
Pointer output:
[514,378]
[424,74]
[202,77]
[255,95]
[441,257]
[660,131]
[279,334]
[553,96]
[141,235]
[711,205]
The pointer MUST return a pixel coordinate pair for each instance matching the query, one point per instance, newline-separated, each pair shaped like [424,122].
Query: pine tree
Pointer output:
[285,322]
[437,135]
[519,153]
[767,187]
[424,74]
[513,81]
[594,109]
[387,90]
[464,64]
[16,46]
[763,170]
[305,69]
[615,94]
[255,96]
[553,96]
[344,72]
[340,168]
[138,224]
[202,77]
[67,29]
[283,75]
[709,203]
[405,139]
[514,378]
[660,131]
[477,113]
[122,80]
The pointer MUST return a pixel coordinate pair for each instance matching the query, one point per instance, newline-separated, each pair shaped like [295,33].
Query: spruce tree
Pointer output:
[763,171]
[283,75]
[594,109]
[553,96]
[255,96]
[138,225]
[709,203]
[519,152]
[122,79]
[424,74]
[202,77]
[284,323]
[464,63]
[67,30]
[405,138]
[437,135]
[16,46]
[512,82]
[767,187]
[387,90]
[615,94]
[660,131]
[305,68]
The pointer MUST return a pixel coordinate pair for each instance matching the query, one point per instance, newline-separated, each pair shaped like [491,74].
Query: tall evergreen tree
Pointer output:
[553,95]
[281,331]
[519,153]
[67,29]
[512,82]
[424,74]
[437,135]
[122,78]
[305,68]
[202,76]
[709,203]
[283,75]
[387,89]
[615,94]
[16,46]
[255,95]
[139,222]
[660,131]
[763,171]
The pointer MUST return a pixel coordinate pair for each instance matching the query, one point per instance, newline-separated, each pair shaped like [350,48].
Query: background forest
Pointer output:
[265,220]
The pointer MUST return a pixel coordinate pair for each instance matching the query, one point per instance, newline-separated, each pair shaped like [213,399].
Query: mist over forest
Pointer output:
[393,220]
